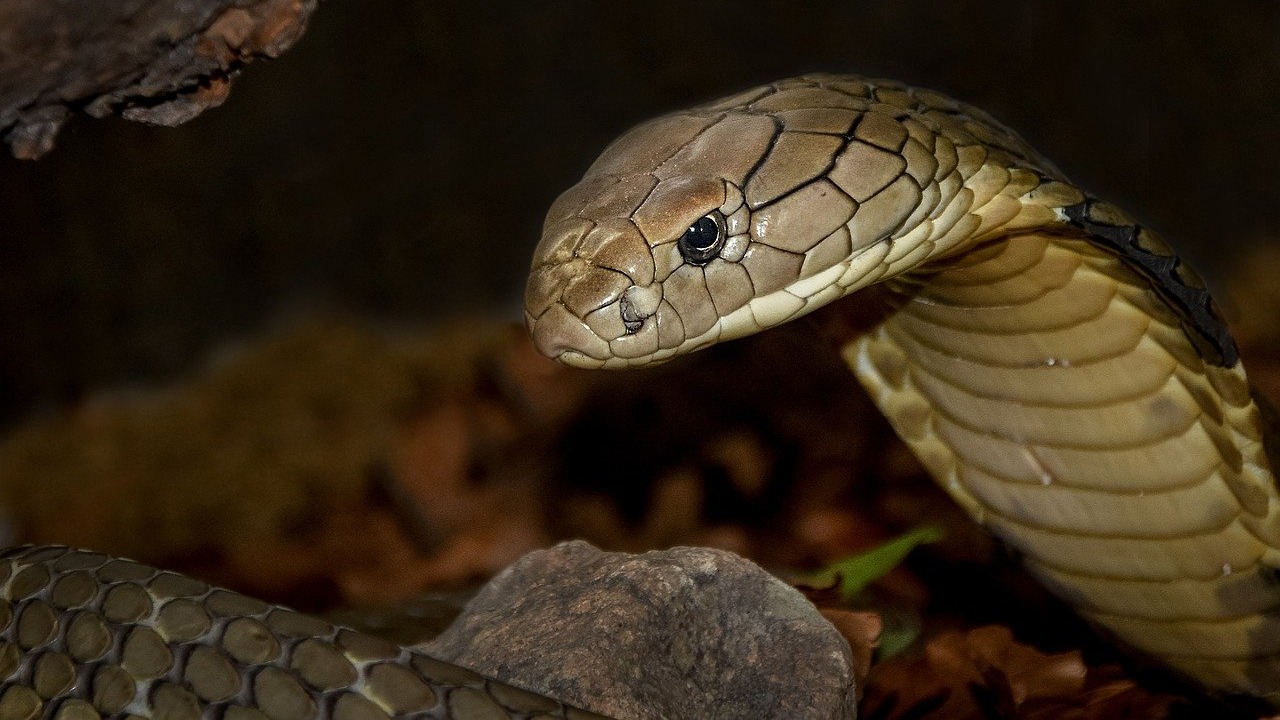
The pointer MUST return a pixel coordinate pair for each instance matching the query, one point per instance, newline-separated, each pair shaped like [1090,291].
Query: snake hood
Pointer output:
[1052,363]
[732,217]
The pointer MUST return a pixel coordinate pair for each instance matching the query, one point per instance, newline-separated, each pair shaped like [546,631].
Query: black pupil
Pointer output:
[701,241]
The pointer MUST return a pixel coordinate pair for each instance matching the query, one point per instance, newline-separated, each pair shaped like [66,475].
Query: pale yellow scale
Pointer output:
[1058,400]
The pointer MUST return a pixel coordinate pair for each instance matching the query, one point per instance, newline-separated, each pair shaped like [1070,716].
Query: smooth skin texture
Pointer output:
[1052,363]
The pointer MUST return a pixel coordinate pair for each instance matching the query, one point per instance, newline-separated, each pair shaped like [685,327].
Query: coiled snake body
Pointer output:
[1052,363]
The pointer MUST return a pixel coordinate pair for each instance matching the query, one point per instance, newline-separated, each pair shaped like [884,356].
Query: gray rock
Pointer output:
[684,633]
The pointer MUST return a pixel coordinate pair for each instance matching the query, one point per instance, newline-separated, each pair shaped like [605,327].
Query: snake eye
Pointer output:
[703,240]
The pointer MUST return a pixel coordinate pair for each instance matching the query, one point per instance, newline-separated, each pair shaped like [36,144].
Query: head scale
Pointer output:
[706,225]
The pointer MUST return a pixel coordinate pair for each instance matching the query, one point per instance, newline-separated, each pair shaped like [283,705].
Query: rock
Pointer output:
[683,633]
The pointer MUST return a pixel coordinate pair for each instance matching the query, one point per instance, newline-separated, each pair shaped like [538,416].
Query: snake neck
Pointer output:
[1053,394]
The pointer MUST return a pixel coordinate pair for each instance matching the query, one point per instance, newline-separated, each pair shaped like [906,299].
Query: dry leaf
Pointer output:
[985,673]
[862,631]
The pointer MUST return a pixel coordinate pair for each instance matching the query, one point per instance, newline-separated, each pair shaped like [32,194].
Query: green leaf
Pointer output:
[894,640]
[857,571]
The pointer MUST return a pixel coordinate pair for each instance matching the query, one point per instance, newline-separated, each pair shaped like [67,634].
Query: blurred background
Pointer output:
[220,338]
[397,161]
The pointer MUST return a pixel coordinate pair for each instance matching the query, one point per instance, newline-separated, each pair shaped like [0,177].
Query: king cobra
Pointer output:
[1056,368]
[1059,371]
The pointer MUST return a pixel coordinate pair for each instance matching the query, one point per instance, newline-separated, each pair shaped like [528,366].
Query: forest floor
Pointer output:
[378,476]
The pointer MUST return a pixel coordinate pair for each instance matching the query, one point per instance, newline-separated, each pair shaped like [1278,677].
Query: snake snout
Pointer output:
[559,334]
[576,309]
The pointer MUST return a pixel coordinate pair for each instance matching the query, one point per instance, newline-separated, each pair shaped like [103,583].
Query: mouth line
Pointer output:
[578,359]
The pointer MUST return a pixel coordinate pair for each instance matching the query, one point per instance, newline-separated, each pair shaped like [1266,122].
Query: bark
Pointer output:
[154,61]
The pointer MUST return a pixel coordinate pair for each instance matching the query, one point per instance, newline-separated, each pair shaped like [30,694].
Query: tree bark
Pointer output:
[154,61]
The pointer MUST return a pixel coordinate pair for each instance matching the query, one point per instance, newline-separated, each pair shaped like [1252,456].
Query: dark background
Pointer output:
[397,162]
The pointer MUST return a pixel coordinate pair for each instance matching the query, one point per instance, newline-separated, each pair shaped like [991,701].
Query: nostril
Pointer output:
[631,317]
[637,304]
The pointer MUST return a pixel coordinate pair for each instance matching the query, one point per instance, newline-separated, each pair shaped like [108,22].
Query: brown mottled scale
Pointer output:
[84,636]
[1050,360]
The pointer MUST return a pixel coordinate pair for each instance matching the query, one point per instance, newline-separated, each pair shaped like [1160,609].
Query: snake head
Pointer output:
[635,286]
[715,223]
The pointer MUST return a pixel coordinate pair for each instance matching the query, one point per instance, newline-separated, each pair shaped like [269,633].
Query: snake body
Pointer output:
[85,636]
[1059,371]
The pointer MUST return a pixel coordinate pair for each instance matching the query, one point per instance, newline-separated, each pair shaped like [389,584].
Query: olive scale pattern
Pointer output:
[85,636]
